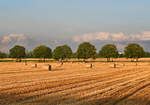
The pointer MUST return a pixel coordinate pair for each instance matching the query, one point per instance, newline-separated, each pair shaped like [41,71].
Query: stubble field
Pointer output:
[75,84]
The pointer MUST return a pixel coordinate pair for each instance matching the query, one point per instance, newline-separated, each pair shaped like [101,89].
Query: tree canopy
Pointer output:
[134,50]
[42,51]
[62,52]
[17,52]
[147,54]
[109,51]
[3,55]
[86,50]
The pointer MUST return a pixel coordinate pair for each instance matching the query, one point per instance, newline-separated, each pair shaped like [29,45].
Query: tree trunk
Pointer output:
[137,59]
[84,60]
[132,59]
[61,60]
[112,59]
[108,59]
[44,59]
[18,59]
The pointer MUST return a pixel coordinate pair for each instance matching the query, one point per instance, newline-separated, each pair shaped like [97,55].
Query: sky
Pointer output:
[56,22]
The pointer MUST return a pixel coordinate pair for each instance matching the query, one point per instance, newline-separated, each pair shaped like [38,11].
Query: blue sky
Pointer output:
[48,21]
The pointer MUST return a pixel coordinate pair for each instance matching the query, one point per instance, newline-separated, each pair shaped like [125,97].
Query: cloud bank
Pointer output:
[12,39]
[115,37]
[98,39]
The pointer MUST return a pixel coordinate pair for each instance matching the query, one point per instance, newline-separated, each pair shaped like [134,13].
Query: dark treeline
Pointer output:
[85,50]
[3,55]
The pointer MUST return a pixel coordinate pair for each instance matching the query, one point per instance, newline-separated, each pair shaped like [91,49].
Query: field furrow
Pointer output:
[73,85]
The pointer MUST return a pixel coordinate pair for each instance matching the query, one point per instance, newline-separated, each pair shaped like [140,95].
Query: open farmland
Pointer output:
[75,84]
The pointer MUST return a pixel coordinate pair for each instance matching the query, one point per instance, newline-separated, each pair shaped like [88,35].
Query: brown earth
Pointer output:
[75,84]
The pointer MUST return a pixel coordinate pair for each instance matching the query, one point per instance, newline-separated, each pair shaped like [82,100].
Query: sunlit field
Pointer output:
[75,83]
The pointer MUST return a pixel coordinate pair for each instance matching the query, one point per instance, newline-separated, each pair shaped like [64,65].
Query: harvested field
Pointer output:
[75,84]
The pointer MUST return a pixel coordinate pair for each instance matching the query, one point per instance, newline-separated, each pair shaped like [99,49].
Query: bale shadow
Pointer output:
[57,69]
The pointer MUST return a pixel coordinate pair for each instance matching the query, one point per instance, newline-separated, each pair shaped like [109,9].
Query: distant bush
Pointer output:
[134,51]
[62,52]
[109,51]
[42,51]
[3,55]
[17,52]
[86,50]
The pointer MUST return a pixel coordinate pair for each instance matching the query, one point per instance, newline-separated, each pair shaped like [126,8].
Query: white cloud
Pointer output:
[10,37]
[116,37]
[102,36]
[55,41]
[11,40]
[145,36]
[92,36]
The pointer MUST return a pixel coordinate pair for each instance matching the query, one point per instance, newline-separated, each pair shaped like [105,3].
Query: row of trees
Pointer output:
[3,55]
[85,50]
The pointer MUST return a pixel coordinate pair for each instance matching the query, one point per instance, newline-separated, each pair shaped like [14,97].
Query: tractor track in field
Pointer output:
[131,94]
[83,76]
[87,80]
[72,77]
[89,85]
[101,92]
[31,97]
[112,88]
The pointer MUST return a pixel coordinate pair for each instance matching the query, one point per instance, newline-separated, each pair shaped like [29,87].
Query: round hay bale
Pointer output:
[47,66]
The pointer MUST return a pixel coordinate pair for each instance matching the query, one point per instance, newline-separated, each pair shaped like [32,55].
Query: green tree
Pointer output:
[97,55]
[74,55]
[42,51]
[134,51]
[86,50]
[17,52]
[147,54]
[3,55]
[109,51]
[62,52]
